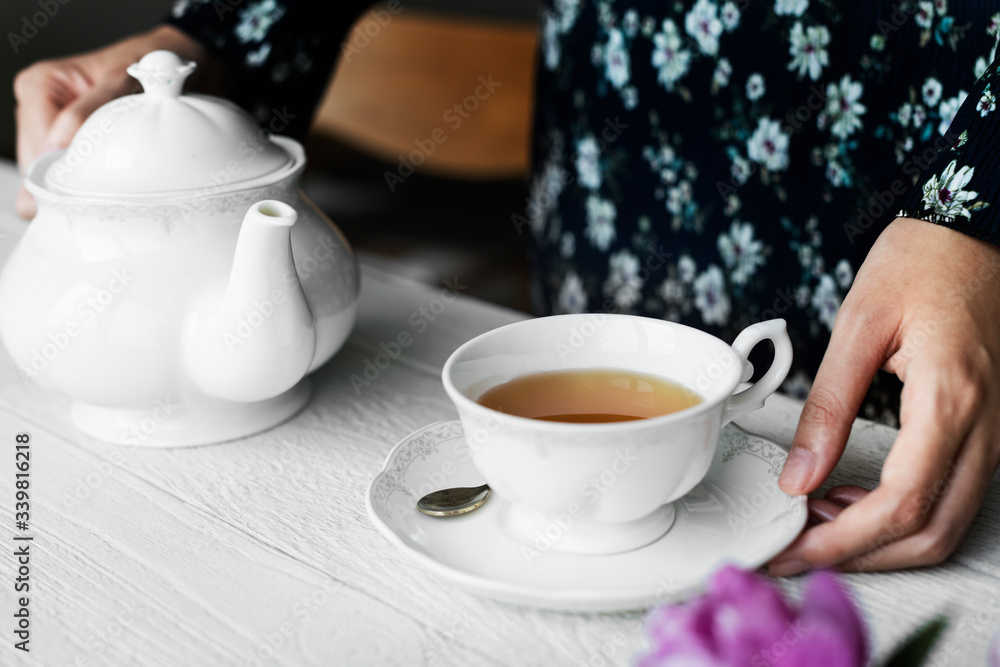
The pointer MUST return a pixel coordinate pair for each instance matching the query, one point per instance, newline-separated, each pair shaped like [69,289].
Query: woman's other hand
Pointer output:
[55,97]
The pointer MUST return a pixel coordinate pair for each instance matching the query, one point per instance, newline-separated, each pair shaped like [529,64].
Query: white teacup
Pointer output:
[604,488]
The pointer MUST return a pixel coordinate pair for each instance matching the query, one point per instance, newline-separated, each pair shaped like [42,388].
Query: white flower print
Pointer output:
[741,252]
[919,115]
[826,301]
[944,195]
[877,43]
[904,114]
[987,103]
[630,22]
[630,97]
[755,86]
[941,6]
[802,296]
[567,245]
[256,58]
[544,195]
[667,154]
[741,169]
[948,109]
[551,49]
[843,106]
[703,23]
[597,54]
[566,11]
[601,214]
[672,291]
[588,168]
[931,91]
[979,69]
[668,56]
[769,145]
[256,19]
[805,254]
[790,7]
[686,269]
[623,283]
[732,205]
[836,174]
[605,18]
[993,27]
[730,16]
[723,70]
[616,60]
[925,14]
[710,296]
[844,273]
[808,50]
[678,197]
[572,297]
[180,8]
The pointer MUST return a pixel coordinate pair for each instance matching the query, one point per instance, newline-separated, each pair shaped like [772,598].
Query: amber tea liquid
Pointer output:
[590,396]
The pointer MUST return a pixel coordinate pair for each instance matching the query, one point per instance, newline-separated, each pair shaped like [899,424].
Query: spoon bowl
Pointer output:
[455,501]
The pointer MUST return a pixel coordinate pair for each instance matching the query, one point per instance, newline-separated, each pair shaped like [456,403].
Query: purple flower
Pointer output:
[743,620]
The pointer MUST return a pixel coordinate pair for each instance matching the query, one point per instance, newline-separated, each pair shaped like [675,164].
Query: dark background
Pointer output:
[80,25]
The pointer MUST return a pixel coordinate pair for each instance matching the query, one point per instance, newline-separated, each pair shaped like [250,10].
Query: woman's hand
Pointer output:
[925,306]
[54,97]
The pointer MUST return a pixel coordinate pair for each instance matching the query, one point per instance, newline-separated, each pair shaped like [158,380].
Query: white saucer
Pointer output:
[736,515]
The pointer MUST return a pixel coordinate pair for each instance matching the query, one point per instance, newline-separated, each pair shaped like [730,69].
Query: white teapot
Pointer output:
[175,284]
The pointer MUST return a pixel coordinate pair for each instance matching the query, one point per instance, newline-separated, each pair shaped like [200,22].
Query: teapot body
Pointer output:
[94,301]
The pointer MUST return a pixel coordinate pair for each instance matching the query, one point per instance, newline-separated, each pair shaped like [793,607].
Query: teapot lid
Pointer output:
[162,142]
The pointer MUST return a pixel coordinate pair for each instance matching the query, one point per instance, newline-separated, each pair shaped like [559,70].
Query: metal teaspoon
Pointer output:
[452,502]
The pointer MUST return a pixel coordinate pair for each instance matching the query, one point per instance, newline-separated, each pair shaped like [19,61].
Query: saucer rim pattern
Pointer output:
[425,441]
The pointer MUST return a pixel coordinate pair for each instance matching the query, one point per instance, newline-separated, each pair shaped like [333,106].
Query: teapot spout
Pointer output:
[257,339]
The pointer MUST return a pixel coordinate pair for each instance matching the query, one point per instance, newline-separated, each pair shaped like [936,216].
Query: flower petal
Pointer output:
[836,618]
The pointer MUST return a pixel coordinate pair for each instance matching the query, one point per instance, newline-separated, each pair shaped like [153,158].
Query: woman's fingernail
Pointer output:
[797,471]
[788,568]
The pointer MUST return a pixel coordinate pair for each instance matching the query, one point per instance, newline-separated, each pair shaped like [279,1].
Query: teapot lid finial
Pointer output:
[162,73]
[162,141]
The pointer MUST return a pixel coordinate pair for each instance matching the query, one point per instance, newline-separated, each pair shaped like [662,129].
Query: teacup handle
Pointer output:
[753,397]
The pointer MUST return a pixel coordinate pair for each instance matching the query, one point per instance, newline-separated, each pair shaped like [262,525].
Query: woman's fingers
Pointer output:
[36,109]
[823,510]
[53,100]
[950,517]
[25,204]
[846,494]
[69,120]
[834,502]
[856,352]
[912,480]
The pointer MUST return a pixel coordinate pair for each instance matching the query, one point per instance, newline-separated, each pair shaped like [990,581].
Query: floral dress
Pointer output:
[721,163]
[712,162]
[280,54]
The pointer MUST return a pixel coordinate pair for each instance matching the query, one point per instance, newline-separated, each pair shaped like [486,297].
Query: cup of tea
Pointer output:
[589,426]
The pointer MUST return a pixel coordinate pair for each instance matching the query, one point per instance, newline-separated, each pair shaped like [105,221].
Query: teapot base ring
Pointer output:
[170,423]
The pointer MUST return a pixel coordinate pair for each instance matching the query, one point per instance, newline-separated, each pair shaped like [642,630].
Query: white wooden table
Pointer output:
[259,552]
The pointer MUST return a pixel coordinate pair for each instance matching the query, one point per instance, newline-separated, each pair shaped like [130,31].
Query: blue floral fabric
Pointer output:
[713,162]
[722,162]
[280,53]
